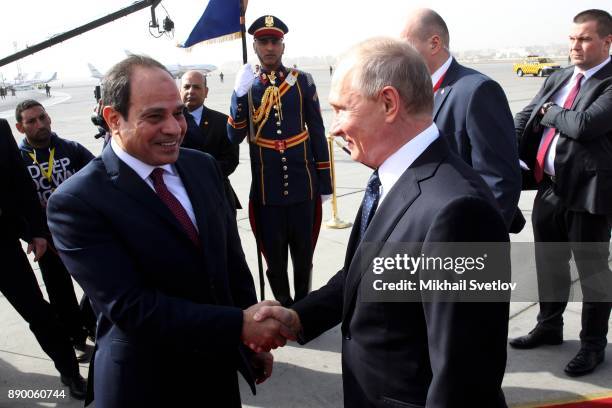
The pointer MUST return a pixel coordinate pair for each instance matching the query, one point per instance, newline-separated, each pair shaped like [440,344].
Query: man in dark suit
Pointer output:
[207,129]
[145,229]
[472,112]
[565,137]
[21,217]
[406,353]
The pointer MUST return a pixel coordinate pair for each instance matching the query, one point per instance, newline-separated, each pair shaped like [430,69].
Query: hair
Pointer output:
[431,23]
[116,84]
[25,105]
[204,79]
[381,62]
[603,19]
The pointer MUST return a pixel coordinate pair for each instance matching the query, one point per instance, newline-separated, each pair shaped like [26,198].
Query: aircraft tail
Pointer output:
[94,72]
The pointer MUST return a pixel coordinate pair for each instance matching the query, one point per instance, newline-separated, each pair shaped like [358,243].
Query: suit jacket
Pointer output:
[412,354]
[169,314]
[20,212]
[583,160]
[472,112]
[210,136]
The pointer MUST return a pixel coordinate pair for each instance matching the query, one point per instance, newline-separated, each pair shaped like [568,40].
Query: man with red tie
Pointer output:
[565,137]
[147,232]
[472,112]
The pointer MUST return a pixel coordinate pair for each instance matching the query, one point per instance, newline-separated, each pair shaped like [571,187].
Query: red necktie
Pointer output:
[538,170]
[439,83]
[174,205]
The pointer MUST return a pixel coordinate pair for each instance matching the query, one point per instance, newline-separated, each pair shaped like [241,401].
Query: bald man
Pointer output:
[207,129]
[472,112]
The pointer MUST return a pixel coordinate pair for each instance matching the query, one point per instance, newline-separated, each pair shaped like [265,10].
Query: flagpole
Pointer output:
[262,282]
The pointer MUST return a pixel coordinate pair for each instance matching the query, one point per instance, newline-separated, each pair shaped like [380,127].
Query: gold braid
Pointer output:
[261,114]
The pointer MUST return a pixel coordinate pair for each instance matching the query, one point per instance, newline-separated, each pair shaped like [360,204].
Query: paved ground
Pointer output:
[304,376]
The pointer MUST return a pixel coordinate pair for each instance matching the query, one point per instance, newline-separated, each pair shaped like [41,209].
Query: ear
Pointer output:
[111,117]
[392,103]
[435,44]
[19,127]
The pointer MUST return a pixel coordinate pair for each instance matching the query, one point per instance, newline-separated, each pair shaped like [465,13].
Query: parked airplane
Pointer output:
[28,81]
[176,70]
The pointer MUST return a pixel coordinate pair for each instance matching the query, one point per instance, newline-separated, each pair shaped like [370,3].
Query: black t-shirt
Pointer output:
[68,158]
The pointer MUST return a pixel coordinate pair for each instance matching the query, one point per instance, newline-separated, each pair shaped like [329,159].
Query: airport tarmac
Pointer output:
[310,375]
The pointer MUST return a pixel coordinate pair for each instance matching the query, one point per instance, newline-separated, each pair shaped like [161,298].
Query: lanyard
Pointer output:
[49,171]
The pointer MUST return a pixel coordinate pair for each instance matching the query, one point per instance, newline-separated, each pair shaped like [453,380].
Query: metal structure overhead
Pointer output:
[134,7]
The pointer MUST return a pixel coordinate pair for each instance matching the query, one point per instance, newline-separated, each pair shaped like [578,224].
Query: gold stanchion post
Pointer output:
[334,222]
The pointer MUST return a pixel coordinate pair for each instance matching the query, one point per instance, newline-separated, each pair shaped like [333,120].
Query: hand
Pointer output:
[244,80]
[38,246]
[289,319]
[262,366]
[265,334]
[325,197]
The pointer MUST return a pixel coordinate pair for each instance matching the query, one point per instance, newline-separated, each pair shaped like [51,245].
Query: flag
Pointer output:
[219,22]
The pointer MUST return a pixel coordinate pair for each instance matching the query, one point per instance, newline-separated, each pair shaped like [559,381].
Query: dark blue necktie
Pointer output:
[370,202]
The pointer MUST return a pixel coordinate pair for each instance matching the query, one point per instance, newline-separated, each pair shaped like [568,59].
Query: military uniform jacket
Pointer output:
[290,158]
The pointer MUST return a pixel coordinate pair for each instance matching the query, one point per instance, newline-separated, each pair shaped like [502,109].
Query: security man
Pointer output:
[289,158]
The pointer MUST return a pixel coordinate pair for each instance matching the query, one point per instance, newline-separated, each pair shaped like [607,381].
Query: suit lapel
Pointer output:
[130,183]
[586,90]
[205,126]
[403,194]
[551,92]
[450,77]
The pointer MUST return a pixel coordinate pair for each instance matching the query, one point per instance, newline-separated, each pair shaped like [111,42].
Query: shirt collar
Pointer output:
[590,72]
[197,114]
[141,168]
[396,164]
[435,77]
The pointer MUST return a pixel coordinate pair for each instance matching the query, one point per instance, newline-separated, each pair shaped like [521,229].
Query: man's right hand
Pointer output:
[38,246]
[244,80]
[264,334]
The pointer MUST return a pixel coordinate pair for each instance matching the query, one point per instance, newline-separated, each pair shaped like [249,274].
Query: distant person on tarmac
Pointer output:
[47,89]
[221,76]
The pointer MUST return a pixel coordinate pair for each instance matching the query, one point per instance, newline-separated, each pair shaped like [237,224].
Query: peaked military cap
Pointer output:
[268,26]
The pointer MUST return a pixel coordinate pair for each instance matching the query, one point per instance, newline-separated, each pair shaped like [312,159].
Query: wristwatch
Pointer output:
[546,106]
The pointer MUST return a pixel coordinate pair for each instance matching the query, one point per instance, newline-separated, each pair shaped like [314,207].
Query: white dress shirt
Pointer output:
[171,178]
[396,164]
[441,71]
[197,114]
[559,99]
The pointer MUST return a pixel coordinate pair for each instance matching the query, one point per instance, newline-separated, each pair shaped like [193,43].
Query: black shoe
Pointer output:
[536,338]
[584,362]
[76,384]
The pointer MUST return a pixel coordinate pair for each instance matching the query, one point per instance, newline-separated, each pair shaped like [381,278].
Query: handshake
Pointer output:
[267,325]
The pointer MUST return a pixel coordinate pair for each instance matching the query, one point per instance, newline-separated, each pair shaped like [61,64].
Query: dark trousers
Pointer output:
[574,233]
[281,228]
[61,295]
[18,284]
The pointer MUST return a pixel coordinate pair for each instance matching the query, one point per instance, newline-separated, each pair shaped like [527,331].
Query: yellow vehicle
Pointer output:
[537,66]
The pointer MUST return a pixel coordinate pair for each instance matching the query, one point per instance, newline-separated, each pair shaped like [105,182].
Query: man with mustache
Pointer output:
[289,156]
[147,232]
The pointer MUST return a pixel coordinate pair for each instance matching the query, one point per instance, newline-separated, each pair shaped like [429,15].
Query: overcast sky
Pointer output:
[317,28]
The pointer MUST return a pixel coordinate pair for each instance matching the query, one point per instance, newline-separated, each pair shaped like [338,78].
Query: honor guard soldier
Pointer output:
[289,158]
